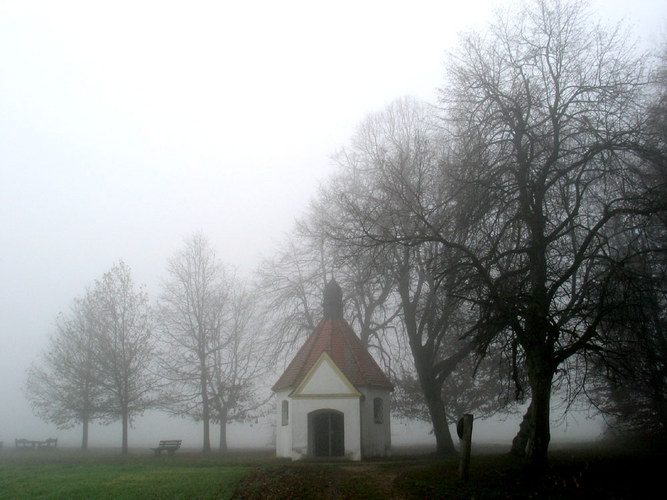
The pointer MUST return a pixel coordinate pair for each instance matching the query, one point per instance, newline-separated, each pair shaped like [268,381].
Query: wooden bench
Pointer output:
[28,443]
[169,445]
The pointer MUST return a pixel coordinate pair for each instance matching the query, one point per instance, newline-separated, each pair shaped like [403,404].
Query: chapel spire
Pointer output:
[333,300]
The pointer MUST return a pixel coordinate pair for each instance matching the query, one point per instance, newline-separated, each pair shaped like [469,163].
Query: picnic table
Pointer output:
[29,443]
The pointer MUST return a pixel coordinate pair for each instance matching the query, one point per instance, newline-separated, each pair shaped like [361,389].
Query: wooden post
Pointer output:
[464,430]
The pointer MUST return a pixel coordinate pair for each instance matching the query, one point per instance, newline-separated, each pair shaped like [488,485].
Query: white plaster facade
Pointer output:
[375,432]
[326,389]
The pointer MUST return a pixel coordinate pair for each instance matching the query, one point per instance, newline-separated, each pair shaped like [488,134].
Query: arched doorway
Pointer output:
[326,433]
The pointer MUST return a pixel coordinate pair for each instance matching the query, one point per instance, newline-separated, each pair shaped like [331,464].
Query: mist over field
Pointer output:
[126,127]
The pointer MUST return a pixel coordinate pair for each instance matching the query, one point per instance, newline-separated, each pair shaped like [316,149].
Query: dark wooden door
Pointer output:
[329,434]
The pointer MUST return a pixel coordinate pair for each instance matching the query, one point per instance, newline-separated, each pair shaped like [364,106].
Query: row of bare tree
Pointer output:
[114,355]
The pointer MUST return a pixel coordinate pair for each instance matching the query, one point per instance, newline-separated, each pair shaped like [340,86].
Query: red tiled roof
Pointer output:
[335,337]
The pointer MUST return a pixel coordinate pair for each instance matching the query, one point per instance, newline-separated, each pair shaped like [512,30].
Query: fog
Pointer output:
[127,126]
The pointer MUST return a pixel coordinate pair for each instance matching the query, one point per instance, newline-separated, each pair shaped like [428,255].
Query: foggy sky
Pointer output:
[127,126]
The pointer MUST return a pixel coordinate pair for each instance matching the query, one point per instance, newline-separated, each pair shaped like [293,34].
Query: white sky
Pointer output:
[125,126]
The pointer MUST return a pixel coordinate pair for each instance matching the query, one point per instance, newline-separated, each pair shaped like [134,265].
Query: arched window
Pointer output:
[285,412]
[377,410]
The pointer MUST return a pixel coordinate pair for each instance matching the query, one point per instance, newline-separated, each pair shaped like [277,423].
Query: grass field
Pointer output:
[72,474]
[576,472]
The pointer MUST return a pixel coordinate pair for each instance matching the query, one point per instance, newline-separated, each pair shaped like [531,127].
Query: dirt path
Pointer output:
[325,481]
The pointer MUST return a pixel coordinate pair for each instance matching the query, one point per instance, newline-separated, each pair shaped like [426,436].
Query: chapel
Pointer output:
[333,398]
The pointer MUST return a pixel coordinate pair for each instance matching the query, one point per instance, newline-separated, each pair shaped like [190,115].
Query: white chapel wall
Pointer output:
[284,432]
[375,437]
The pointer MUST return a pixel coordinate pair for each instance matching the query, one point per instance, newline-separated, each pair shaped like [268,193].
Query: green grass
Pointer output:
[112,478]
[579,472]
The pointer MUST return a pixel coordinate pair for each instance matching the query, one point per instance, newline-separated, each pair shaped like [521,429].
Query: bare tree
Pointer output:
[632,363]
[548,115]
[192,314]
[64,386]
[292,285]
[393,162]
[124,346]
[434,328]
[238,365]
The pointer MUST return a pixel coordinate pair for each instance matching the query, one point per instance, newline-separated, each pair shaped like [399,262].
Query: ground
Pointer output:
[582,471]
[576,472]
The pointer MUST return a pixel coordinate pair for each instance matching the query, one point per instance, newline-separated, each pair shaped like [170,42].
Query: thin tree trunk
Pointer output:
[205,414]
[223,435]
[84,437]
[223,432]
[125,426]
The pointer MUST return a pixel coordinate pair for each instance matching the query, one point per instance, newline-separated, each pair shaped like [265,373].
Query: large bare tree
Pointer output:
[548,114]
[125,346]
[391,163]
[64,386]
[192,315]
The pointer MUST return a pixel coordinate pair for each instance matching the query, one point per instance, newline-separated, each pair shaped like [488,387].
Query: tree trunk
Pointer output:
[205,414]
[436,409]
[125,426]
[520,441]
[423,357]
[540,435]
[223,437]
[222,412]
[84,437]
